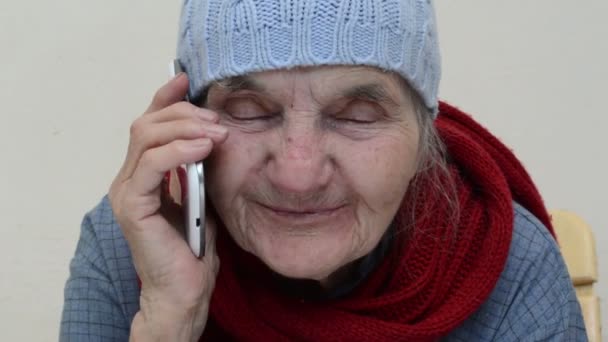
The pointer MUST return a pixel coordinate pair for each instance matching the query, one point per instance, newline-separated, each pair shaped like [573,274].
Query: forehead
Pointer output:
[331,74]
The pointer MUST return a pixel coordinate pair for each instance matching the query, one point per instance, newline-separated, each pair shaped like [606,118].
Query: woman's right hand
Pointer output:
[176,286]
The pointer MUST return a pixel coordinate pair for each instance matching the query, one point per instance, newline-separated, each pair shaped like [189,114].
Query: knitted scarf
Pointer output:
[435,276]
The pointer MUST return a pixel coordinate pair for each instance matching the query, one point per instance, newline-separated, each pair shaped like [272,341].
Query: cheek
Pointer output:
[229,167]
[380,170]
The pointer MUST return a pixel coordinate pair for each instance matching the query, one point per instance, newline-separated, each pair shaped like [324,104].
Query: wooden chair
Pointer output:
[578,249]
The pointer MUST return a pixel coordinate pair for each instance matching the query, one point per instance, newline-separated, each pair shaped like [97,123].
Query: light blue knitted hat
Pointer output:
[225,38]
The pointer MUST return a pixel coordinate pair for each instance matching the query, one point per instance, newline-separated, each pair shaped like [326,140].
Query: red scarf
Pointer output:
[434,277]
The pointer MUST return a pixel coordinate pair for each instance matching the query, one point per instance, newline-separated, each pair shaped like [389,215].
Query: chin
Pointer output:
[303,246]
[304,257]
[295,269]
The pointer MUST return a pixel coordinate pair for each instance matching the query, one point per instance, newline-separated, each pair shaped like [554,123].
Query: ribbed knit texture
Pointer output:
[224,38]
[436,276]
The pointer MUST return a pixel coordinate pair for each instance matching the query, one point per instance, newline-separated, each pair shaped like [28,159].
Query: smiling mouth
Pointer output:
[302,213]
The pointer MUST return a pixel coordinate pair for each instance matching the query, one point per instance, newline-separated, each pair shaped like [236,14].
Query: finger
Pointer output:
[154,163]
[176,111]
[173,91]
[139,131]
[185,129]
[158,134]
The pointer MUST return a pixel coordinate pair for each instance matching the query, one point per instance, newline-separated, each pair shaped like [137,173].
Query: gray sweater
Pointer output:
[533,299]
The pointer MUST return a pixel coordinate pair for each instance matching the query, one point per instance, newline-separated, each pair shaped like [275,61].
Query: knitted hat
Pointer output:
[225,38]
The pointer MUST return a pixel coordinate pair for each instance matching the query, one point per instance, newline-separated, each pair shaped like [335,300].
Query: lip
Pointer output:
[303,215]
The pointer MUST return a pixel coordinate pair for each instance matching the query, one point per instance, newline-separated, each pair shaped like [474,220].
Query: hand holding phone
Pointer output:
[176,285]
[194,199]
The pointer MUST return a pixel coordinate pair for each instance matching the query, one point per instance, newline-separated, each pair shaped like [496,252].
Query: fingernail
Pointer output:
[178,76]
[219,130]
[203,142]
[206,114]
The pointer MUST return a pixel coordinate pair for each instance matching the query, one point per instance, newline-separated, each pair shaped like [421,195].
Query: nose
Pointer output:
[299,161]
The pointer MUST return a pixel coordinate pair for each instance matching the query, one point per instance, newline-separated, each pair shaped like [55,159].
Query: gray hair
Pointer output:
[433,175]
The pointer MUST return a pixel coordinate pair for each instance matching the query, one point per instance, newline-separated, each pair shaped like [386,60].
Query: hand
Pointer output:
[176,286]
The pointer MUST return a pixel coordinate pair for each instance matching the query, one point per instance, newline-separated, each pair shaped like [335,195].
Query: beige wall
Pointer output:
[74,74]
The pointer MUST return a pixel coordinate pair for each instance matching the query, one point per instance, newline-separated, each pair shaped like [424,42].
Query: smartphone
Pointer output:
[193,195]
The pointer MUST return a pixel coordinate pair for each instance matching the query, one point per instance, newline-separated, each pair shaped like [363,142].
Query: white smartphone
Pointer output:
[193,195]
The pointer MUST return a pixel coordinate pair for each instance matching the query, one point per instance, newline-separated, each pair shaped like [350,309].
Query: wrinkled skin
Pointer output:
[306,168]
[315,166]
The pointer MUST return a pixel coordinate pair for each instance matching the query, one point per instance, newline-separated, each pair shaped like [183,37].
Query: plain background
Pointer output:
[74,74]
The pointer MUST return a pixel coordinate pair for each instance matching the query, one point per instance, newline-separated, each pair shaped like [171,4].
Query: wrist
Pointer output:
[168,323]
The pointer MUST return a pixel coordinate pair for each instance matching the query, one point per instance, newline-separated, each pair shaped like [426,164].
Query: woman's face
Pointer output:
[315,166]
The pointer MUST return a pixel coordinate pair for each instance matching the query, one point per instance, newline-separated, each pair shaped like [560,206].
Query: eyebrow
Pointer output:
[370,92]
[239,83]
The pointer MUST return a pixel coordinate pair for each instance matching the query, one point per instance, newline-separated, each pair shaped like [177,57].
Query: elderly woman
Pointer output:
[346,203]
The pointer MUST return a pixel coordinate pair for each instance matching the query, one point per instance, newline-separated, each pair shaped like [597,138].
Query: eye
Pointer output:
[246,109]
[360,112]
